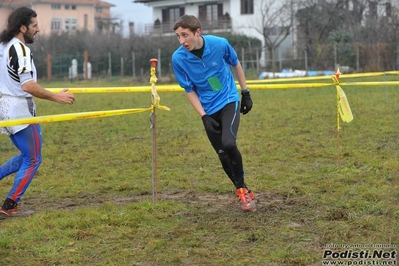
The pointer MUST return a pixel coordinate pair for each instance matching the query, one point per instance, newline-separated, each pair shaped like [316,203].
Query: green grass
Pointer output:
[93,192]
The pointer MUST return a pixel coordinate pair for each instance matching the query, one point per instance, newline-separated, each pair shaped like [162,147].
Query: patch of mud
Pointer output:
[265,201]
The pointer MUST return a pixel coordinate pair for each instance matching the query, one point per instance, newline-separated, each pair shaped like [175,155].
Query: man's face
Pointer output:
[188,39]
[31,31]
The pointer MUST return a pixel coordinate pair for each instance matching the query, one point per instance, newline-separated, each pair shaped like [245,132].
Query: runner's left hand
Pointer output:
[246,102]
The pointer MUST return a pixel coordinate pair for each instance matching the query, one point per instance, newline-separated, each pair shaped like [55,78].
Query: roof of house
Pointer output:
[28,2]
[147,1]
[173,2]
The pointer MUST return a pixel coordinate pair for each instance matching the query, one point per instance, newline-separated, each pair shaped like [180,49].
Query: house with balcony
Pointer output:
[216,16]
[55,16]
[254,17]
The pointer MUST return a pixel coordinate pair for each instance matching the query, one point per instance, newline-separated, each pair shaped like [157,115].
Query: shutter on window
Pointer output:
[202,12]
[165,15]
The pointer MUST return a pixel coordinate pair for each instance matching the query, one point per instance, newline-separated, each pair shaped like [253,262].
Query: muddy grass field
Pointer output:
[93,194]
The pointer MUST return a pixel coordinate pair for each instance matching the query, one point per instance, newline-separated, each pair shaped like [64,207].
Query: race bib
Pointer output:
[215,84]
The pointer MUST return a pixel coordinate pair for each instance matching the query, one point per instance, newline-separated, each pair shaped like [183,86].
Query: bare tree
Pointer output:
[316,20]
[277,18]
[323,23]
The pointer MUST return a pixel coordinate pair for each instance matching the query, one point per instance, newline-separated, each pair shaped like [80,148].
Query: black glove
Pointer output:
[210,124]
[246,102]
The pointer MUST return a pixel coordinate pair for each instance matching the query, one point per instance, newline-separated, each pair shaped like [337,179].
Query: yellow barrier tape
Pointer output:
[342,102]
[346,114]
[255,84]
[356,75]
[344,108]
[155,99]
[166,88]
[119,89]
[71,116]
[372,83]
[169,88]
[290,86]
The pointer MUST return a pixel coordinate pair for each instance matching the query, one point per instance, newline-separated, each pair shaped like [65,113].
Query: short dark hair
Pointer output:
[188,22]
[20,16]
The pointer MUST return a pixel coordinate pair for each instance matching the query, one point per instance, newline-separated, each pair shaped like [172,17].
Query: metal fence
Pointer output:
[136,65]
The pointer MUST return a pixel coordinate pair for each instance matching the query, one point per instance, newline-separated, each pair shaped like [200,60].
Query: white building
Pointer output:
[251,17]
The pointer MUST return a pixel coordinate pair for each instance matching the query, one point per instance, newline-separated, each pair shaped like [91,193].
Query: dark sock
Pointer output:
[9,204]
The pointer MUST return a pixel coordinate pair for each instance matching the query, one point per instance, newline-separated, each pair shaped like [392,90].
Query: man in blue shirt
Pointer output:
[202,67]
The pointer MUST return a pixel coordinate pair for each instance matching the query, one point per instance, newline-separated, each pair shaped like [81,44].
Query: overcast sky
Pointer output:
[128,11]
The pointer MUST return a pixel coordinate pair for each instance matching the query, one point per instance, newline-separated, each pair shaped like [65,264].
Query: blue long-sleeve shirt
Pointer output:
[210,76]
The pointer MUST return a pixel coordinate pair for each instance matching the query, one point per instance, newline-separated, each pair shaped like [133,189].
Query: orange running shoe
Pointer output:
[6,213]
[251,194]
[14,212]
[247,203]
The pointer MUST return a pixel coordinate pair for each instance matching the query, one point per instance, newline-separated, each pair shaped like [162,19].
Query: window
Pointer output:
[247,6]
[99,9]
[55,24]
[85,21]
[74,24]
[73,7]
[55,6]
[66,6]
[71,24]
[211,12]
[100,25]
[172,14]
